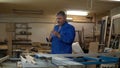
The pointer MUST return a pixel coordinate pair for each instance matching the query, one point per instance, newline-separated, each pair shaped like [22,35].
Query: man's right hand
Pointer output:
[50,36]
[48,39]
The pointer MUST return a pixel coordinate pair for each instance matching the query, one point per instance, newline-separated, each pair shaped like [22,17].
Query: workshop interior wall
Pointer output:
[42,30]
[3,31]
[116,21]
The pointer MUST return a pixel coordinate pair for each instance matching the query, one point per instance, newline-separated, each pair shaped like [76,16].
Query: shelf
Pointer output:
[21,40]
[23,27]
[3,47]
[21,43]
[3,43]
[23,34]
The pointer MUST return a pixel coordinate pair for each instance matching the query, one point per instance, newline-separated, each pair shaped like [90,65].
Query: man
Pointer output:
[62,35]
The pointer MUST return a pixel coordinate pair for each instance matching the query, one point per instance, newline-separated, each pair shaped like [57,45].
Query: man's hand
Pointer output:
[50,37]
[56,34]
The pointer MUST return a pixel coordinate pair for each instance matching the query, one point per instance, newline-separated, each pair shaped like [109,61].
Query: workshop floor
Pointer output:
[8,64]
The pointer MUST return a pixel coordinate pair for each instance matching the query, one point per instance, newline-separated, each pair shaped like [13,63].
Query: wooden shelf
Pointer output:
[3,47]
[21,40]
[2,43]
[22,34]
[23,27]
[18,43]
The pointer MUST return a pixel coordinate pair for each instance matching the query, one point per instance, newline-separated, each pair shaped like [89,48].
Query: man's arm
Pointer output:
[49,39]
[68,36]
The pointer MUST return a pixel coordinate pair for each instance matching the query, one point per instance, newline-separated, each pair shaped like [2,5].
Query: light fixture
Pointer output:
[19,11]
[110,0]
[69,18]
[113,0]
[79,13]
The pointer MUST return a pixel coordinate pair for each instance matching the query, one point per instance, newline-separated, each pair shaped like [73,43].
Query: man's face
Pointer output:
[60,19]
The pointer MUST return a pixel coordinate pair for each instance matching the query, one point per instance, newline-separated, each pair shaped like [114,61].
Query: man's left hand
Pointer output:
[56,34]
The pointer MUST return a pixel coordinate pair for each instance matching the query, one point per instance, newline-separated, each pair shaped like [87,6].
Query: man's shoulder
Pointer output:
[56,25]
[69,25]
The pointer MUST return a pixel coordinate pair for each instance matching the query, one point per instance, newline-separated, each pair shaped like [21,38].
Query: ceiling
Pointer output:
[51,7]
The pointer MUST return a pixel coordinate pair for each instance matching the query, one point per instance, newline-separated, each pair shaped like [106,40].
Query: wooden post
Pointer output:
[9,31]
[9,36]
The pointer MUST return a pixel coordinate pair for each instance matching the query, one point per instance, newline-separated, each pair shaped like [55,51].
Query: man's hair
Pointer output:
[62,13]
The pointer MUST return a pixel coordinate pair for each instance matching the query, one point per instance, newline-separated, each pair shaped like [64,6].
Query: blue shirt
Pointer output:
[63,45]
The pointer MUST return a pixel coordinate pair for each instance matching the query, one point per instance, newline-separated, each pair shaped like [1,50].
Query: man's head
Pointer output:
[61,17]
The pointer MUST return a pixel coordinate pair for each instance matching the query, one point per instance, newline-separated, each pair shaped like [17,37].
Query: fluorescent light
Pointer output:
[80,13]
[114,0]
[110,0]
[68,18]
